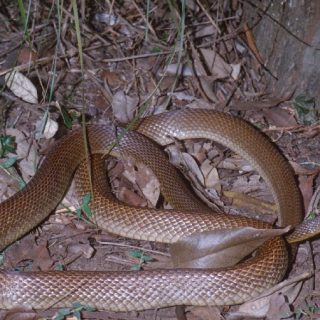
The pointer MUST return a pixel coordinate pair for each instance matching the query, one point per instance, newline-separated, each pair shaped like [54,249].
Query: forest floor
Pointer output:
[135,61]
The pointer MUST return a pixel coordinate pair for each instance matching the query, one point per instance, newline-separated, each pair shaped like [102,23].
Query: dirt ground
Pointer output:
[132,59]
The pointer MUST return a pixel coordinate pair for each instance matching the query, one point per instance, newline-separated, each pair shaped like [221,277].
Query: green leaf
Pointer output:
[305,107]
[135,254]
[9,162]
[23,14]
[67,119]
[77,314]
[62,313]
[7,144]
[85,205]
[59,267]
[311,215]
[89,308]
[87,210]
[80,306]
[74,114]
[86,199]
[146,258]
[1,258]
[78,213]
[21,183]
[77,305]
[139,255]
[156,50]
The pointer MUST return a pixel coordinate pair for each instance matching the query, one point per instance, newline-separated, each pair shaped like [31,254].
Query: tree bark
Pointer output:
[287,35]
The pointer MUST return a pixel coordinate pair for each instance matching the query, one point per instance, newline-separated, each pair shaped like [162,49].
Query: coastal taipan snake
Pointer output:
[125,291]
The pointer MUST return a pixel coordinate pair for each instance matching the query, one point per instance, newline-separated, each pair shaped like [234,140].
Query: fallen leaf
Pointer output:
[46,128]
[130,197]
[146,181]
[192,165]
[26,153]
[21,86]
[235,70]
[258,105]
[206,313]
[211,175]
[85,249]
[219,248]
[274,302]
[205,31]
[173,69]
[106,18]
[26,55]
[300,170]
[112,78]
[280,117]
[306,185]
[39,255]
[20,314]
[124,106]
[216,65]
[245,201]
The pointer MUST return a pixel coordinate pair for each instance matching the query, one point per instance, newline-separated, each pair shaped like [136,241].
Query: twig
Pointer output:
[138,56]
[208,16]
[133,247]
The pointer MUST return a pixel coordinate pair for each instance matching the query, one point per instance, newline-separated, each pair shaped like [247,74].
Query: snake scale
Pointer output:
[126,291]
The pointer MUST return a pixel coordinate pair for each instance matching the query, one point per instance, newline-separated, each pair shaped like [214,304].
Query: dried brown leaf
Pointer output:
[123,106]
[211,175]
[192,165]
[46,128]
[145,179]
[219,248]
[306,185]
[130,197]
[218,68]
[21,86]
[39,255]
[112,78]
[280,117]
[206,313]
[245,201]
[205,31]
[273,303]
[257,105]
[20,314]
[26,152]
[85,249]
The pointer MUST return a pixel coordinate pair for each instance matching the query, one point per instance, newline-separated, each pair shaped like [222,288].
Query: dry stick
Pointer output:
[294,129]
[144,19]
[117,244]
[26,66]
[139,56]
[18,34]
[252,43]
[314,202]
[104,92]
[208,16]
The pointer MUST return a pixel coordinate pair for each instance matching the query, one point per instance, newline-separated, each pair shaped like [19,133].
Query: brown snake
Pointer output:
[125,291]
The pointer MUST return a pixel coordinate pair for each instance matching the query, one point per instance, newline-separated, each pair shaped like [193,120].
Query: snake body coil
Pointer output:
[125,291]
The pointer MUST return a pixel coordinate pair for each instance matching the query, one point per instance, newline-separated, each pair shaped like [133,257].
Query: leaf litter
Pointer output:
[125,58]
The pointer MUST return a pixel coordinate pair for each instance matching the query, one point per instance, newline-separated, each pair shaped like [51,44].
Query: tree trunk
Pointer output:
[287,35]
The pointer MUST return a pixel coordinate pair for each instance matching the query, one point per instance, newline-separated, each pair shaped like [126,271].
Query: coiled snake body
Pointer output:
[125,291]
